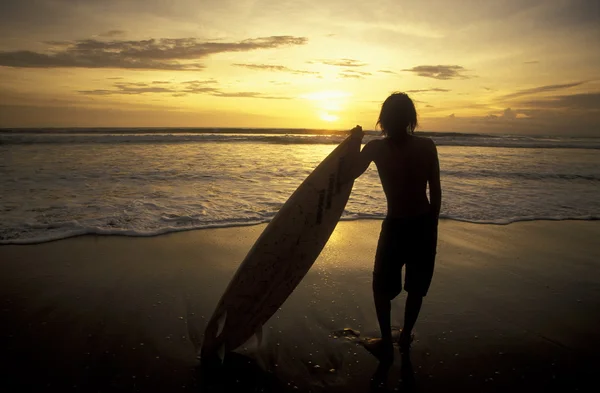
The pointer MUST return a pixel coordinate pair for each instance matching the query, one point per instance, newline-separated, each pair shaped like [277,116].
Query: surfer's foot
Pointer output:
[405,341]
[381,349]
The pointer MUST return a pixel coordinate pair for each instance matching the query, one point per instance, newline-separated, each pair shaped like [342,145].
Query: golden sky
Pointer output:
[508,66]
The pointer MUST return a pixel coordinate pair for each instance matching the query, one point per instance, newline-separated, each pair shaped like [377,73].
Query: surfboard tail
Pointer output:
[213,343]
[259,335]
[221,323]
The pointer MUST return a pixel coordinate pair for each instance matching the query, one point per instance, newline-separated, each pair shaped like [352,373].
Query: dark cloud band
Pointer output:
[443,72]
[542,89]
[271,67]
[177,54]
[176,90]
[433,89]
[341,63]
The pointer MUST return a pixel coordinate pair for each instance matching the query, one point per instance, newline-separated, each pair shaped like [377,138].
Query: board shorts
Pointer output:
[410,242]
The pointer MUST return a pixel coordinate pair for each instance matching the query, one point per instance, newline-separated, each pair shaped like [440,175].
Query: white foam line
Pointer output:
[167,230]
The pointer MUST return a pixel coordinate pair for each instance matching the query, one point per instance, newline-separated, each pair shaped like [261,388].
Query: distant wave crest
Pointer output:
[442,139]
[482,173]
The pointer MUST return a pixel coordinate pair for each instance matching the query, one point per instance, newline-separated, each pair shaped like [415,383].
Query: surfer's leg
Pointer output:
[416,285]
[419,273]
[411,313]
[383,349]
[387,279]
[383,307]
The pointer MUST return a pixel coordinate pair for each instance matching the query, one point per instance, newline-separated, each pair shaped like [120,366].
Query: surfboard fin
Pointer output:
[259,335]
[221,353]
[221,323]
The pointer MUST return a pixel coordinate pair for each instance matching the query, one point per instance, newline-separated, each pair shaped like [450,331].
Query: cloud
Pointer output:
[279,83]
[542,89]
[580,102]
[199,87]
[342,63]
[443,72]
[572,14]
[507,114]
[354,74]
[176,54]
[129,89]
[349,76]
[263,67]
[112,33]
[270,67]
[573,112]
[54,44]
[531,62]
[428,106]
[436,89]
[527,122]
[197,83]
[133,88]
[387,72]
[176,90]
[248,94]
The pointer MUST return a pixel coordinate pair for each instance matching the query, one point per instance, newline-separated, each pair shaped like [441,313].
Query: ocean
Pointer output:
[59,183]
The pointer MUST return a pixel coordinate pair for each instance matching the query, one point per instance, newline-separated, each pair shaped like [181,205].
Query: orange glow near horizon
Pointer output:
[238,65]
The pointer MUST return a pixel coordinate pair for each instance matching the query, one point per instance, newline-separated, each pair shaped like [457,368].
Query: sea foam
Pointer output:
[55,186]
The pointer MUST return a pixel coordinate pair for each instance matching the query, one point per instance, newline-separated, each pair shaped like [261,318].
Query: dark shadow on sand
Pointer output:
[237,373]
[407,383]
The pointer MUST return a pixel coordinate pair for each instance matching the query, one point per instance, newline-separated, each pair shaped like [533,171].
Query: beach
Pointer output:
[511,307]
[149,149]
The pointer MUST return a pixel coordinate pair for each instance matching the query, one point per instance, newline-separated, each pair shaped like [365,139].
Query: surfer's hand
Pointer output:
[357,132]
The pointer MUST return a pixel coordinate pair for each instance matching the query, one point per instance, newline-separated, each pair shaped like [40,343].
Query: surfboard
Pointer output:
[281,256]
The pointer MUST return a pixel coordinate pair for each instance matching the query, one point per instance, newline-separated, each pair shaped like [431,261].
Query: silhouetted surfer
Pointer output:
[406,164]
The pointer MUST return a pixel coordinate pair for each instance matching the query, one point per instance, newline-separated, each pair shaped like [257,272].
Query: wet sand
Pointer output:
[512,307]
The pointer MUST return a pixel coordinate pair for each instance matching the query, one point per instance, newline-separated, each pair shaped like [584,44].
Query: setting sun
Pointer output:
[328,117]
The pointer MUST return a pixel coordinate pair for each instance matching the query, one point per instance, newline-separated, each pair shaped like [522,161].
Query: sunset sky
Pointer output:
[508,66]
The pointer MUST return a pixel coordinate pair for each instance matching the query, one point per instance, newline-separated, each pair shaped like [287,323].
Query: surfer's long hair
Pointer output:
[398,116]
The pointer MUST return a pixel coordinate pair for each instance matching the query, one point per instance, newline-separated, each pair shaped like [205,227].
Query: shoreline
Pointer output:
[510,307]
[266,222]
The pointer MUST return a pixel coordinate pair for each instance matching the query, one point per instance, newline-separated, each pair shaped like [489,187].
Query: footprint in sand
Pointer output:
[371,344]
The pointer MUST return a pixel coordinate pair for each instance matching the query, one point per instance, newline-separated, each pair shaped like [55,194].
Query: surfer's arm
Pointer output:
[355,164]
[435,188]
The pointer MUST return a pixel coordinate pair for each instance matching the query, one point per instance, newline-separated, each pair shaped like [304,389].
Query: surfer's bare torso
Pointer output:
[405,169]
